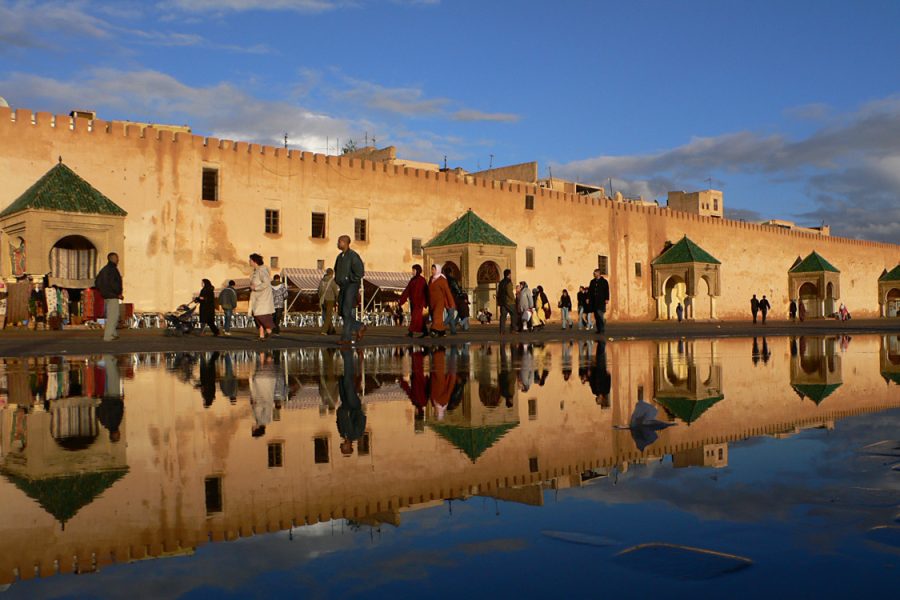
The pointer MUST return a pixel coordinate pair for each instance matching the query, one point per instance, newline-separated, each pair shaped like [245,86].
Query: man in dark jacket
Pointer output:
[598,296]
[109,284]
[348,273]
[754,307]
[764,307]
[506,302]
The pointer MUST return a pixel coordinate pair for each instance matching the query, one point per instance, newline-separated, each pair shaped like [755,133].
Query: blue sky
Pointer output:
[792,108]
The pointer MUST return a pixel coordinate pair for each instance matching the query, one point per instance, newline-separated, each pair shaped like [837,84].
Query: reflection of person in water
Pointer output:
[765,351]
[351,420]
[442,382]
[526,367]
[505,379]
[228,382]
[328,386]
[417,387]
[262,394]
[755,352]
[208,378]
[112,407]
[601,381]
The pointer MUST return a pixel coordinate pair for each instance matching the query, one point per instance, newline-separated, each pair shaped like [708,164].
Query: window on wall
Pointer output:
[320,450]
[529,202]
[318,225]
[273,262]
[276,454]
[603,264]
[533,464]
[715,204]
[637,269]
[320,264]
[213,488]
[416,247]
[210,187]
[273,218]
[360,230]
[529,258]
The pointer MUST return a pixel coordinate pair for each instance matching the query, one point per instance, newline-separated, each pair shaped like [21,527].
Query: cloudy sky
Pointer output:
[792,108]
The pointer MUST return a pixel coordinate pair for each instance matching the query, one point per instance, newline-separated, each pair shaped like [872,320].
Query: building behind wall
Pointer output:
[706,203]
[197,207]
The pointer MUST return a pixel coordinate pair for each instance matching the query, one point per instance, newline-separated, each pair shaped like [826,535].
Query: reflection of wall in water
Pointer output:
[889,354]
[687,369]
[816,367]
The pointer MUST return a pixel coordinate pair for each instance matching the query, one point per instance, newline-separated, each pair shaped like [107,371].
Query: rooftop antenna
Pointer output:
[491,163]
[285,139]
[373,141]
[708,183]
[611,194]
[367,139]
[445,162]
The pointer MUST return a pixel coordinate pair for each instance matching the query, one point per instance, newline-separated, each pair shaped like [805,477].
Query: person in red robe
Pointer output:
[416,293]
[417,388]
[442,382]
[440,299]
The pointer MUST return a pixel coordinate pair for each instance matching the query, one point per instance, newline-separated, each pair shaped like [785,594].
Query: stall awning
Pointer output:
[305,280]
[240,283]
[388,280]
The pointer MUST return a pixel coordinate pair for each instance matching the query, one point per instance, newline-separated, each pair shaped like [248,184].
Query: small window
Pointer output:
[276,454]
[365,445]
[640,393]
[273,262]
[559,260]
[416,247]
[318,225]
[637,269]
[210,186]
[360,230]
[213,487]
[321,450]
[529,202]
[533,464]
[320,264]
[273,218]
[715,204]
[603,264]
[529,258]
[532,408]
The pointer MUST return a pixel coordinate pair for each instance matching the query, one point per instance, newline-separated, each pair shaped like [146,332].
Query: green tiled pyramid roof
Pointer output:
[817,392]
[685,251]
[64,496]
[892,275]
[813,264]
[61,189]
[473,441]
[688,409]
[470,229]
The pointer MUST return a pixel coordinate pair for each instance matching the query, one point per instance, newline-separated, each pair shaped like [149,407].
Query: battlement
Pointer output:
[281,162]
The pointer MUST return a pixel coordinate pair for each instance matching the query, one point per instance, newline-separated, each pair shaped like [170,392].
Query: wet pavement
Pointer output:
[746,465]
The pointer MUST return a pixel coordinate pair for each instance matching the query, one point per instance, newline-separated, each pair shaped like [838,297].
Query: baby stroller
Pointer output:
[181,321]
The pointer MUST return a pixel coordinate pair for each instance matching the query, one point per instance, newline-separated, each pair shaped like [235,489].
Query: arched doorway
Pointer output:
[454,269]
[701,302]
[486,291]
[892,303]
[809,298]
[73,258]
[829,300]
[675,291]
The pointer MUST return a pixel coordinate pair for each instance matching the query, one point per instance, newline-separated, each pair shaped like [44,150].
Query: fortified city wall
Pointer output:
[173,238]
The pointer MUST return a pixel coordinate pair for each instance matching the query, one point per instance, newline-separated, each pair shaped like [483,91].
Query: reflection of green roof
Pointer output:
[889,377]
[688,409]
[817,392]
[63,497]
[473,441]
[685,251]
[61,189]
[892,275]
[470,229]
[813,264]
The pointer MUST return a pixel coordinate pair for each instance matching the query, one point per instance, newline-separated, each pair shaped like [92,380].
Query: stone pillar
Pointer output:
[689,307]
[661,313]
[712,308]
[821,308]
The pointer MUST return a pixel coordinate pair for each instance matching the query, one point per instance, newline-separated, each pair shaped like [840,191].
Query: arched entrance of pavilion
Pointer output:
[684,273]
[487,277]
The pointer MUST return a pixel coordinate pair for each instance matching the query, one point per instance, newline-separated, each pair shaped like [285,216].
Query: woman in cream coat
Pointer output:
[262,305]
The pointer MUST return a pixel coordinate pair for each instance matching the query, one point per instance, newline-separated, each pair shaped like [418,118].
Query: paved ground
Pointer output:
[17,342]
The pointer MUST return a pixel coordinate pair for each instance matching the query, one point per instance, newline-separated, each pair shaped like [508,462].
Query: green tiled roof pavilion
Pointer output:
[814,263]
[472,441]
[892,275]
[685,251]
[817,392]
[61,189]
[470,229]
[64,496]
[688,409]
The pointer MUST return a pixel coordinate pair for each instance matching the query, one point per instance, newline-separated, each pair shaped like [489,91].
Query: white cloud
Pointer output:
[220,6]
[849,168]
[406,101]
[221,110]
[478,115]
